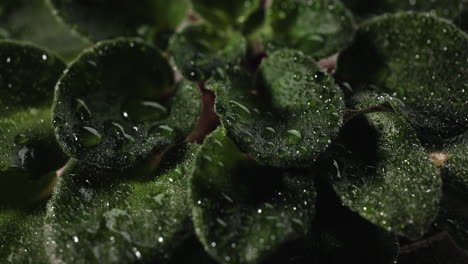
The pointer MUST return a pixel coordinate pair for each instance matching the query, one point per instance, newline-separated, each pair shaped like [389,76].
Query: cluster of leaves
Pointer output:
[247,131]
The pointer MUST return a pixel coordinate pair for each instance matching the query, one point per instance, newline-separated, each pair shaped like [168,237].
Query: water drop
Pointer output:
[144,111]
[293,136]
[89,137]
[21,139]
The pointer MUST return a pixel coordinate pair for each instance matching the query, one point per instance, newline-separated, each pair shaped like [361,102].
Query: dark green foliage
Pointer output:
[29,153]
[284,118]
[242,211]
[105,19]
[225,13]
[103,216]
[380,170]
[319,28]
[118,101]
[419,59]
[200,49]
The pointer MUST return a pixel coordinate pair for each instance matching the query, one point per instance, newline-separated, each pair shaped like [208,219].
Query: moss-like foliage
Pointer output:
[380,170]
[21,239]
[444,8]
[225,13]
[29,153]
[33,21]
[421,60]
[319,28]
[200,49]
[242,211]
[135,216]
[118,101]
[454,212]
[284,118]
[107,19]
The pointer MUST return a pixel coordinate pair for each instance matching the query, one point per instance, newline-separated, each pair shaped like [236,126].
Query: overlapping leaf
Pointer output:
[242,211]
[118,101]
[287,116]
[319,28]
[102,216]
[380,170]
[200,49]
[419,59]
[29,153]
[225,13]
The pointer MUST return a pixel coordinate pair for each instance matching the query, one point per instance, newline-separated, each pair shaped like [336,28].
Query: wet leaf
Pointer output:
[380,170]
[243,211]
[200,49]
[29,153]
[366,8]
[33,21]
[118,101]
[21,239]
[419,59]
[319,28]
[103,216]
[225,13]
[369,101]
[107,19]
[287,117]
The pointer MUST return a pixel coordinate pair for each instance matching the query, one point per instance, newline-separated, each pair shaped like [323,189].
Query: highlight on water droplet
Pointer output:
[89,137]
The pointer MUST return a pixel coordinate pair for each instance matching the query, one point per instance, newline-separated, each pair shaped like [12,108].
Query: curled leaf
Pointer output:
[287,116]
[419,59]
[29,153]
[242,211]
[118,101]
[381,171]
[103,216]
[200,49]
[107,19]
[319,28]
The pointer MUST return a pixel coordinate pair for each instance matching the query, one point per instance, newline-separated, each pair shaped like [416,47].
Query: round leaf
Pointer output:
[107,19]
[225,12]
[242,211]
[102,216]
[380,170]
[29,153]
[319,28]
[118,101]
[287,117]
[200,49]
[419,59]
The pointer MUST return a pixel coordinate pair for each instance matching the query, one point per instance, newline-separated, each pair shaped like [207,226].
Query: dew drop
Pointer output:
[21,139]
[89,137]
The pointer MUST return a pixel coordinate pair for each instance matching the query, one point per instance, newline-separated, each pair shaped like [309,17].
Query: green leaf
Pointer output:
[319,28]
[370,101]
[242,211]
[224,13]
[103,216]
[419,59]
[22,239]
[118,101]
[453,216]
[33,21]
[200,49]
[380,170]
[287,117]
[366,8]
[29,153]
[107,19]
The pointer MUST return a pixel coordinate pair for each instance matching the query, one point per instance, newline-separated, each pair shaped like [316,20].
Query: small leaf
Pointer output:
[118,101]
[287,117]
[29,153]
[366,8]
[380,170]
[453,216]
[242,211]
[319,28]
[419,59]
[224,13]
[103,216]
[107,19]
[200,49]
[33,21]
[21,239]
